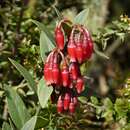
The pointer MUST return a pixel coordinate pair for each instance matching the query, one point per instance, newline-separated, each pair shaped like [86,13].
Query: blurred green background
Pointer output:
[19,40]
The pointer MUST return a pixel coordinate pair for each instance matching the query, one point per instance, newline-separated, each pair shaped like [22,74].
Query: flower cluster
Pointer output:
[61,69]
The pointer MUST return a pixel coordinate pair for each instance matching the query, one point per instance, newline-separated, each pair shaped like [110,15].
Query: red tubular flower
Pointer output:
[65,75]
[71,107]
[87,45]
[48,69]
[71,47]
[55,73]
[60,105]
[79,52]
[86,51]
[55,70]
[79,49]
[80,85]
[50,77]
[66,101]
[75,100]
[59,37]
[74,72]
[87,48]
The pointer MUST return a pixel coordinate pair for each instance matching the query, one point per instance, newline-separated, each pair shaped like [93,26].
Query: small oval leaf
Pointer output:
[81,18]
[82,99]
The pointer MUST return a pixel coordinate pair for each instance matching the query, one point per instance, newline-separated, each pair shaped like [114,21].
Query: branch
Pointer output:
[45,13]
[113,47]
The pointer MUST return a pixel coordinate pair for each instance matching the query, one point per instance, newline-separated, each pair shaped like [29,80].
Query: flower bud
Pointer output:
[87,45]
[80,85]
[79,53]
[65,76]
[75,100]
[71,50]
[71,107]
[59,37]
[66,101]
[59,105]
[74,72]
[55,73]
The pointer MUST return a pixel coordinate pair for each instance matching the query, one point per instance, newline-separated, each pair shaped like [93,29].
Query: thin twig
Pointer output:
[45,13]
[113,47]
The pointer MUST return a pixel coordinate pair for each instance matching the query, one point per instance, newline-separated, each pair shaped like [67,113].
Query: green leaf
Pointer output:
[16,107]
[60,17]
[101,54]
[82,99]
[108,115]
[41,122]
[121,107]
[121,36]
[94,100]
[126,127]
[25,74]
[6,126]
[30,125]
[82,17]
[45,45]
[108,103]
[44,93]
[108,111]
